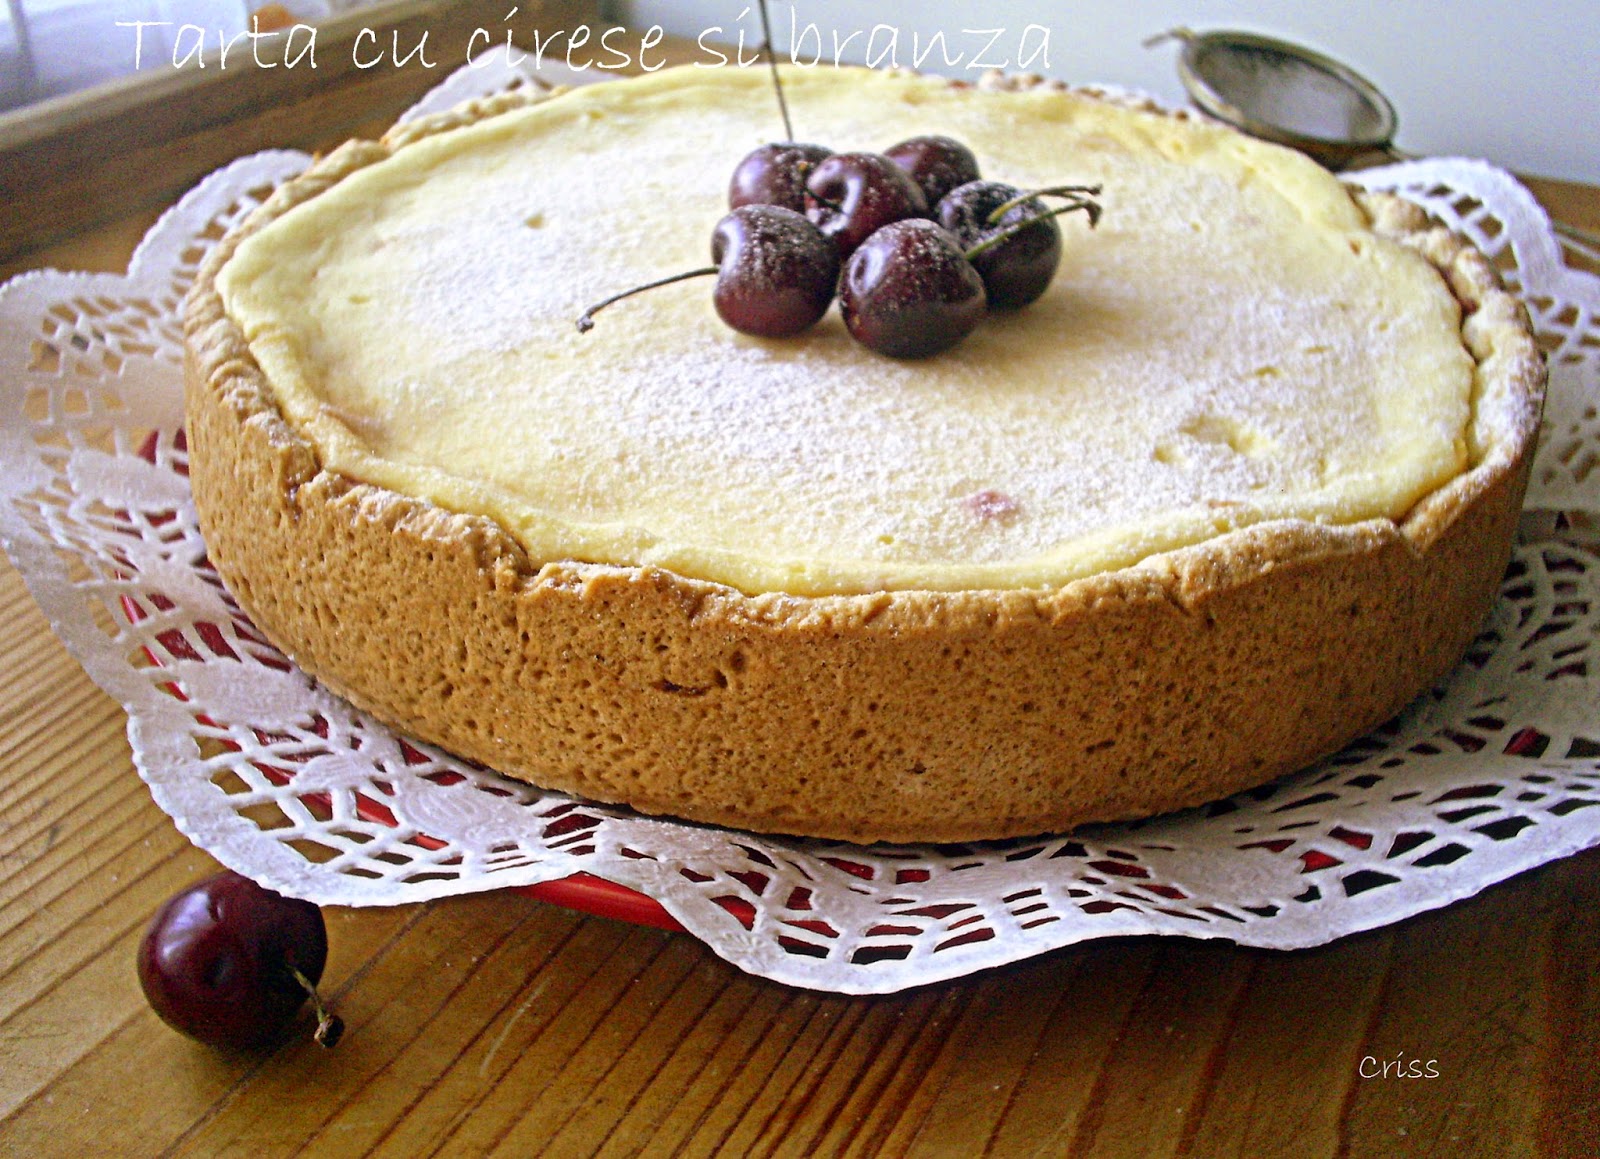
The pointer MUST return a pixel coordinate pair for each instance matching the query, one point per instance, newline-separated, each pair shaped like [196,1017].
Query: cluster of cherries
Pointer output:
[916,245]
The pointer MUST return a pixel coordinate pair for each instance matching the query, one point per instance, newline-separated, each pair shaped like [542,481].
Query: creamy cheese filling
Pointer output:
[1231,345]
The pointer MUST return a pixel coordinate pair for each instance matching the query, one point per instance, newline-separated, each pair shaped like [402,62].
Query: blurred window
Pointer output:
[52,47]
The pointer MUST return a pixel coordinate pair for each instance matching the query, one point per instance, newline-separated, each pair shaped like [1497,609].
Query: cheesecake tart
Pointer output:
[1240,485]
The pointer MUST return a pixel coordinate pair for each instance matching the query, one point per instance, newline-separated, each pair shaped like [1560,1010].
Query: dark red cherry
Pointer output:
[1011,237]
[219,963]
[936,164]
[853,195]
[775,175]
[1015,269]
[776,273]
[908,291]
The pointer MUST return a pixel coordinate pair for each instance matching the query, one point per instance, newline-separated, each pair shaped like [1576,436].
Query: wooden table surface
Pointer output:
[502,1025]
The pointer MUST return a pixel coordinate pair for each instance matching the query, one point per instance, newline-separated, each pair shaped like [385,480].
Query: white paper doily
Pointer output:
[1494,772]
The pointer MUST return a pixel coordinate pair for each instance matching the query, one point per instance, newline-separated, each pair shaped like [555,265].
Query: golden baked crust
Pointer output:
[899,716]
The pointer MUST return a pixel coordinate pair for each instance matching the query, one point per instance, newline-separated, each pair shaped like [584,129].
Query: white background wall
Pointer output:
[1517,83]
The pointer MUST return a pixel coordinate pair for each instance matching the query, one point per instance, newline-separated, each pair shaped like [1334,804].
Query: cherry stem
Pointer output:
[1080,194]
[1011,231]
[330,1027]
[836,206]
[586,322]
[772,63]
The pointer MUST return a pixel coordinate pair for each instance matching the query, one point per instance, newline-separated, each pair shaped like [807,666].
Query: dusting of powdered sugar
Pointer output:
[1163,372]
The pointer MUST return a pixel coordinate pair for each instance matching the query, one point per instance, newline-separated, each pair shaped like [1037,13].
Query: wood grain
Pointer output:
[498,1025]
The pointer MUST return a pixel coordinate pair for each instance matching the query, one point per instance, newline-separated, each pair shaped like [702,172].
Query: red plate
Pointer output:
[595,895]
